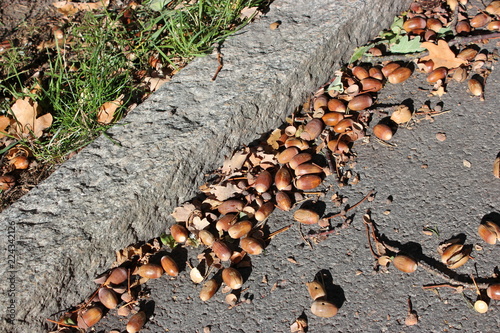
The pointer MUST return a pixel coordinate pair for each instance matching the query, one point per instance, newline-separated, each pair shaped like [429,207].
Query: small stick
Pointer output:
[62,324]
[279,231]
[221,64]
[303,237]
[444,285]
[350,208]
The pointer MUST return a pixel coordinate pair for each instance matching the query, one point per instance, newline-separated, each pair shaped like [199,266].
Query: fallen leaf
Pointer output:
[198,224]
[496,167]
[441,55]
[195,275]
[223,192]
[68,8]
[272,140]
[292,260]
[25,112]
[235,162]
[182,214]
[248,12]
[107,111]
[4,122]
[155,82]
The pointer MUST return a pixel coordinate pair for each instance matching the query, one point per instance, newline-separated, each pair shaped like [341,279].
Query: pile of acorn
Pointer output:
[333,118]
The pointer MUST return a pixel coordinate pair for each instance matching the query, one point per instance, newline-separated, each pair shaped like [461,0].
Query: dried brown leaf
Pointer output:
[496,167]
[272,140]
[223,192]
[26,113]
[68,8]
[107,111]
[4,123]
[235,162]
[182,214]
[441,55]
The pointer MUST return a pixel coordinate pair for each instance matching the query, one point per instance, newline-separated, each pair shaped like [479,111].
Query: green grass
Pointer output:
[99,59]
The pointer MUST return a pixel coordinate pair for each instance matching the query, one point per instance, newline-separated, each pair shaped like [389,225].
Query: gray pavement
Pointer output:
[109,195]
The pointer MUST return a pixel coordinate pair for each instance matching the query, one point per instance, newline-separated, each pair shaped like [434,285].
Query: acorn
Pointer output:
[462,27]
[136,322]
[264,211]
[286,155]
[231,206]
[299,159]
[437,74]
[232,278]
[343,125]
[338,147]
[221,250]
[399,75]
[493,26]
[206,237]
[296,142]
[169,265]
[283,201]
[389,68]
[332,118]
[307,168]
[316,289]
[323,308]
[179,233]
[455,255]
[306,216]
[467,54]
[108,297]
[89,317]
[308,182]
[376,73]
[414,24]
[225,222]
[401,115]
[434,24]
[209,289]
[493,8]
[252,245]
[312,129]
[150,271]
[263,181]
[117,276]
[480,306]
[480,20]
[493,291]
[336,105]
[360,73]
[489,232]
[20,162]
[320,102]
[240,229]
[282,179]
[370,84]
[405,263]
[382,131]
[475,87]
[360,102]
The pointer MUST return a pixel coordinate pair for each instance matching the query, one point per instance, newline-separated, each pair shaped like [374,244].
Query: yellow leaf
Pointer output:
[441,55]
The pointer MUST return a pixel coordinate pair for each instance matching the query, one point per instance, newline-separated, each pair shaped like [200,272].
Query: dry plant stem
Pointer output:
[351,208]
[221,64]
[443,285]
[279,231]
[303,237]
[62,324]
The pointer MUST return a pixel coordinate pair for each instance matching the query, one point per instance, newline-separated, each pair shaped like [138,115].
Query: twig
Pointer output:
[62,324]
[367,226]
[444,285]
[221,64]
[351,208]
[279,231]
[303,237]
